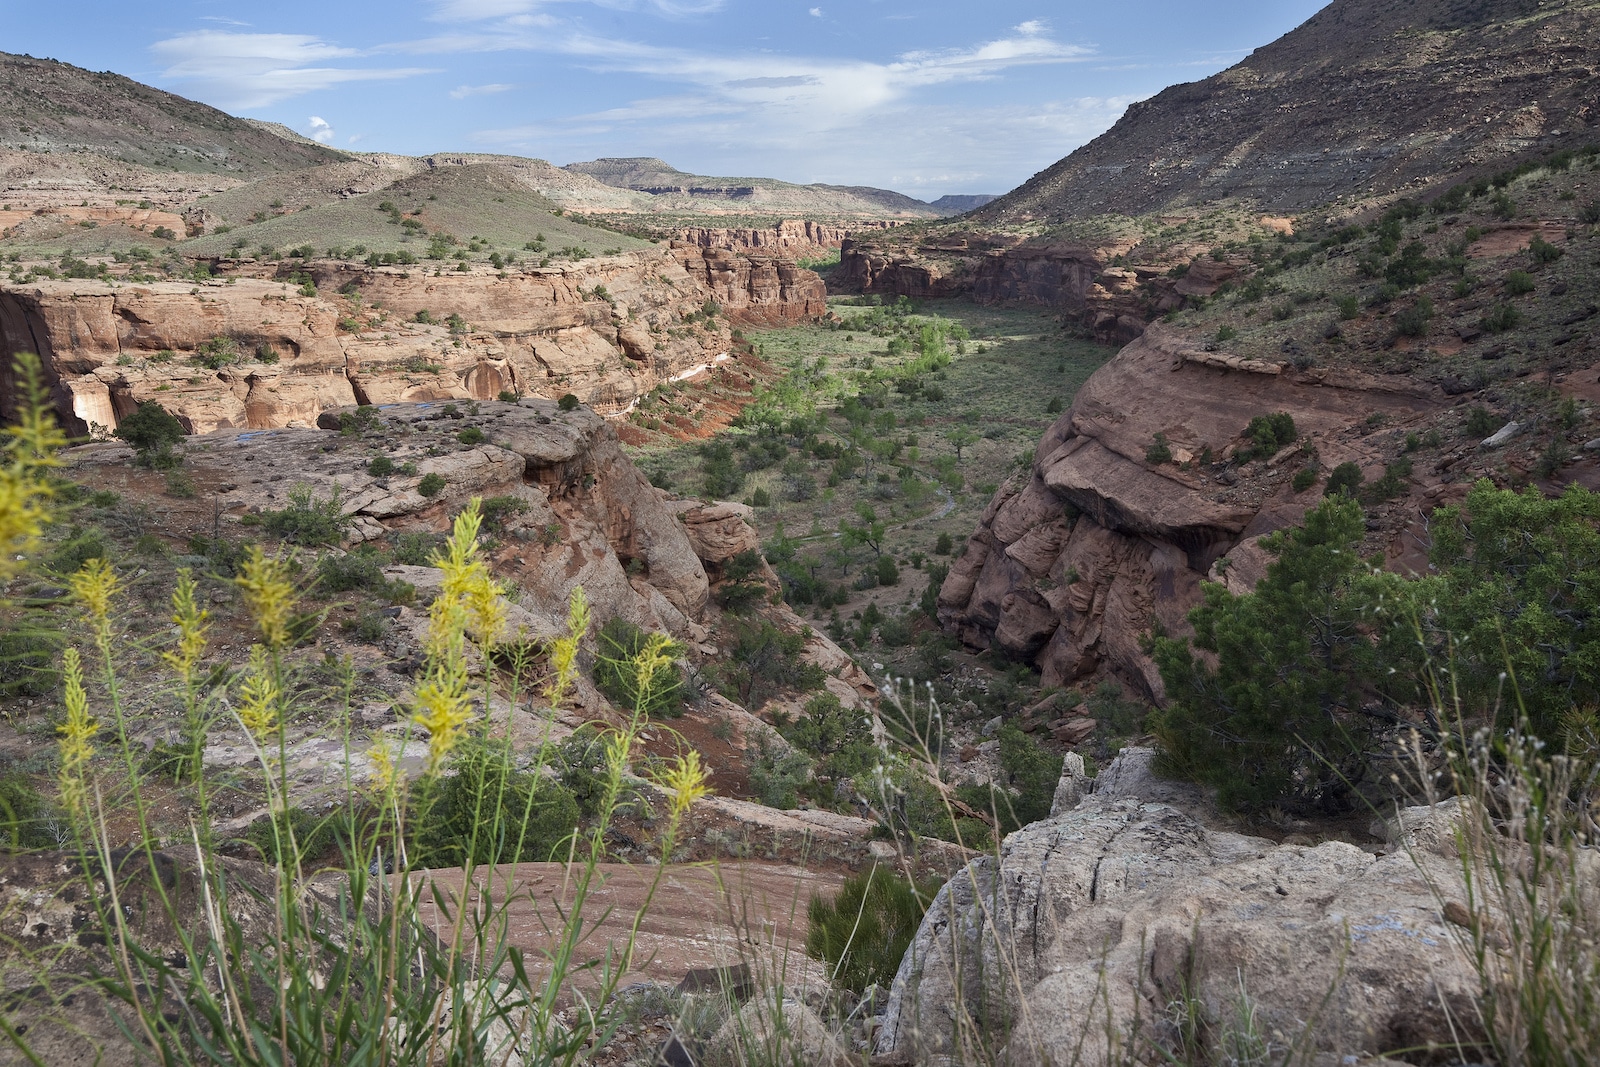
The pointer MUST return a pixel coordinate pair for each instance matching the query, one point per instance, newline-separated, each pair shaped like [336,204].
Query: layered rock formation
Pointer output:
[1074,278]
[1071,566]
[1077,944]
[796,238]
[607,332]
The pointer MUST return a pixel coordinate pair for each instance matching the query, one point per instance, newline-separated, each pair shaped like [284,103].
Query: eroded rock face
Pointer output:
[607,331]
[1071,567]
[1125,907]
[790,237]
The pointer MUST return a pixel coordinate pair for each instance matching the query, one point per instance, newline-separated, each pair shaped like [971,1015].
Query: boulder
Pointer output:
[772,1030]
[1118,912]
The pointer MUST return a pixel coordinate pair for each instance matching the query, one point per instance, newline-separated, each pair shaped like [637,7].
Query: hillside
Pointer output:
[1365,97]
[47,106]
[678,191]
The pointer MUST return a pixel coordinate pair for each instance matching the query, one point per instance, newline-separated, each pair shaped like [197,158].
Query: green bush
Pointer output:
[887,572]
[1304,479]
[491,811]
[1345,480]
[777,772]
[472,435]
[620,641]
[431,485]
[1501,318]
[308,519]
[763,661]
[381,467]
[1275,720]
[1158,453]
[1270,433]
[152,430]
[364,419]
[1519,283]
[838,738]
[1413,321]
[568,402]
[1543,252]
[217,353]
[863,932]
[943,546]
[310,836]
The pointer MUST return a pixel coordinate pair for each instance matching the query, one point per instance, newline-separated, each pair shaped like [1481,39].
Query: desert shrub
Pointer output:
[1501,318]
[1345,480]
[431,484]
[1543,252]
[568,402]
[292,835]
[620,641]
[79,546]
[497,509]
[30,646]
[863,932]
[1276,720]
[1304,479]
[1269,433]
[152,430]
[217,353]
[381,467]
[472,435]
[1029,769]
[1413,321]
[360,569]
[721,476]
[777,772]
[763,661]
[1158,453]
[364,419]
[180,485]
[943,545]
[307,519]
[1480,423]
[836,737]
[491,811]
[1519,283]
[886,571]
[26,818]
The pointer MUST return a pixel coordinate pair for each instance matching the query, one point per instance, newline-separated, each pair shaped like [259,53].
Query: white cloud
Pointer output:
[479,10]
[1031,28]
[242,71]
[461,92]
[815,12]
[320,130]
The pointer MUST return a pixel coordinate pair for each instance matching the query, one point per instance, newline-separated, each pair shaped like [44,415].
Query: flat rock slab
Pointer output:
[701,916]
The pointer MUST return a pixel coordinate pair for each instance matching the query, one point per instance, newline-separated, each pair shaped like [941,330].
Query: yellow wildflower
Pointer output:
[191,619]
[268,595]
[383,768]
[686,781]
[564,650]
[260,697]
[95,587]
[77,733]
[442,709]
[24,461]
[466,579]
[652,661]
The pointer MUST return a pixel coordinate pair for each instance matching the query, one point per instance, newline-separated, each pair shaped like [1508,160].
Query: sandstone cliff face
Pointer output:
[1074,279]
[797,238]
[607,332]
[1094,922]
[1069,567]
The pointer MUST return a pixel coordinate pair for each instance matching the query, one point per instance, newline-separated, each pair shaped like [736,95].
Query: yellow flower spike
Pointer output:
[25,460]
[95,586]
[191,619]
[442,709]
[564,650]
[268,591]
[686,781]
[77,733]
[650,663]
[383,768]
[259,697]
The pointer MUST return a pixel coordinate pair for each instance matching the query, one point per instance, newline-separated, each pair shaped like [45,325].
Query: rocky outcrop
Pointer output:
[1071,566]
[1075,279]
[1097,927]
[755,290]
[607,331]
[795,238]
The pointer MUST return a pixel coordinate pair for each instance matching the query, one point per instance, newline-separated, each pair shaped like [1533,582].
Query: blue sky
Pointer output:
[924,96]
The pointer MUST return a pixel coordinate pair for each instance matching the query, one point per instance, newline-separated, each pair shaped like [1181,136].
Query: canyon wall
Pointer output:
[798,238]
[607,331]
[1073,279]
[1072,564]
